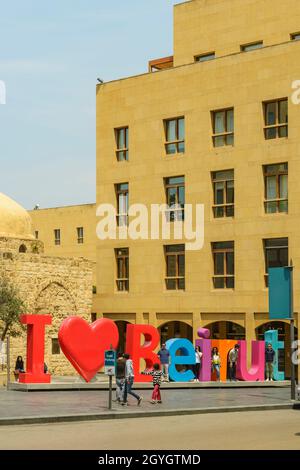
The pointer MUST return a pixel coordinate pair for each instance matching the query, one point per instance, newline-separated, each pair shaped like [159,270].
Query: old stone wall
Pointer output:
[50,285]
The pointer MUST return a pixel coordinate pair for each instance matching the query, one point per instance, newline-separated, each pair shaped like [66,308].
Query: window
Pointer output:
[122,259]
[175,267]
[276,254]
[175,194]
[295,36]
[223,186]
[36,234]
[223,257]
[22,249]
[122,142]
[55,346]
[57,236]
[174,130]
[252,46]
[122,193]
[223,127]
[79,235]
[276,118]
[205,57]
[276,188]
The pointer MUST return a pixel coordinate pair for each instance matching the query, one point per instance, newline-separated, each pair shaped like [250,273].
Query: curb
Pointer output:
[142,414]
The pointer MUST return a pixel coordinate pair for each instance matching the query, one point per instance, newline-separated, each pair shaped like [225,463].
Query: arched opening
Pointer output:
[175,329]
[226,330]
[284,334]
[22,249]
[122,326]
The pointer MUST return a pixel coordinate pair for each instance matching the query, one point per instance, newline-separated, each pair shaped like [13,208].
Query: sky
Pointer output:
[51,54]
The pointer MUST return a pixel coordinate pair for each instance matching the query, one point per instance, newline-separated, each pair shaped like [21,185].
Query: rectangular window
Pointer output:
[252,46]
[205,57]
[175,267]
[223,257]
[276,188]
[36,233]
[175,135]
[276,118]
[79,235]
[223,187]
[276,254]
[122,193]
[175,194]
[122,143]
[57,239]
[55,346]
[122,260]
[223,127]
[295,36]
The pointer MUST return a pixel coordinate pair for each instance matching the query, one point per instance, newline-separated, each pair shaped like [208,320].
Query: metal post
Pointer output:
[293,378]
[110,393]
[292,335]
[8,362]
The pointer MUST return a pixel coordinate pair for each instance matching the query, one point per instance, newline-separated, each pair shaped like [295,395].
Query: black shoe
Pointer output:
[140,401]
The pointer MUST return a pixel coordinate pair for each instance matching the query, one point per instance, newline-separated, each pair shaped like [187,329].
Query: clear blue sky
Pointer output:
[51,55]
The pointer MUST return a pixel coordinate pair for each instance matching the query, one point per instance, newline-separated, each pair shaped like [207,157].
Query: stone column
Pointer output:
[197,323]
[250,334]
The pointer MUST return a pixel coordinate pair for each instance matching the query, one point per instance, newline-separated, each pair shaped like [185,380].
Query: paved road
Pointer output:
[17,404]
[252,430]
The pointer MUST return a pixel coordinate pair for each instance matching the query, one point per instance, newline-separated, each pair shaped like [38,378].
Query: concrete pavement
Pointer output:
[20,408]
[275,430]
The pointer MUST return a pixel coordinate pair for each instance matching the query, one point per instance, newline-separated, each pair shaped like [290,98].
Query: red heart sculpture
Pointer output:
[84,344]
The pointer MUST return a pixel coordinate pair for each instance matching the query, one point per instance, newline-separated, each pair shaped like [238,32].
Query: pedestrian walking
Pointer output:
[129,379]
[270,358]
[197,365]
[232,358]
[164,357]
[216,362]
[157,375]
[120,377]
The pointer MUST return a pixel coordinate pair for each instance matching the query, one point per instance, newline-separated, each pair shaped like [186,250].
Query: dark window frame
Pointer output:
[122,218]
[226,135]
[174,214]
[177,142]
[122,270]
[122,153]
[278,247]
[227,280]
[178,280]
[226,209]
[205,57]
[57,236]
[253,46]
[80,235]
[278,174]
[278,126]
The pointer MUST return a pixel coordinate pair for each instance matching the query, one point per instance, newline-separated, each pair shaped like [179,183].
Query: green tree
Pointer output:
[11,307]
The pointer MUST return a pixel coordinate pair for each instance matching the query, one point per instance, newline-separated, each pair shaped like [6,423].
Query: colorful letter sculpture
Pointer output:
[271,336]
[137,351]
[257,369]
[84,344]
[205,345]
[187,350]
[35,348]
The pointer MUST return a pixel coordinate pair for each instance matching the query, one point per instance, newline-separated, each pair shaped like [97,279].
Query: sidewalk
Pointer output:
[45,407]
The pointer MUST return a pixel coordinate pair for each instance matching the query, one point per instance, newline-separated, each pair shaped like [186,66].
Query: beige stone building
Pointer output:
[67,231]
[214,124]
[56,285]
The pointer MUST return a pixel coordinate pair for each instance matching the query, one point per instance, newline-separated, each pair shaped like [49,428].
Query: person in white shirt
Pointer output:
[197,365]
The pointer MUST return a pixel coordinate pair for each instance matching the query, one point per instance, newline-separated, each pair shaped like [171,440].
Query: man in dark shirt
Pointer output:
[164,357]
[270,356]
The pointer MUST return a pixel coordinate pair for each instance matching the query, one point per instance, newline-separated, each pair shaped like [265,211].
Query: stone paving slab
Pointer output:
[16,408]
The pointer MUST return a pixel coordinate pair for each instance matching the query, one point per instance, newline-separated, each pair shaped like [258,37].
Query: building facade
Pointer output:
[214,124]
[67,231]
[57,285]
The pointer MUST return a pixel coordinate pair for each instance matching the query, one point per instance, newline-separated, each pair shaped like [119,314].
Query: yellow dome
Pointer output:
[15,222]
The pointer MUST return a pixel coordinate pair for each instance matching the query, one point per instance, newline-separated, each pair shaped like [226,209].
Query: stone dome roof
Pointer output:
[15,222]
